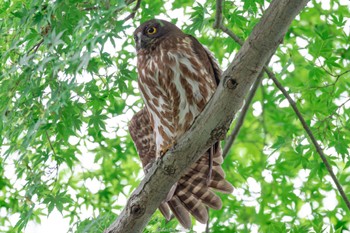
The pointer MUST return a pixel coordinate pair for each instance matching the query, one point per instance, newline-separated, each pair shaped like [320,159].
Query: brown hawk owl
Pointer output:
[177,77]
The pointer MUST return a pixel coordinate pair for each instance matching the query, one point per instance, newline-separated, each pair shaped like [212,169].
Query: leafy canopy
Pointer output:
[68,88]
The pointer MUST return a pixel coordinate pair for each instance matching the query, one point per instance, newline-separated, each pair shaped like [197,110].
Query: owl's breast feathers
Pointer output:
[175,85]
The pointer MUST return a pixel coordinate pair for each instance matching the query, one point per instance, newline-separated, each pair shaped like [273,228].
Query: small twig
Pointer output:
[230,140]
[54,153]
[132,14]
[92,8]
[311,136]
[261,9]
[336,76]
[335,111]
[36,46]
[345,72]
[263,114]
[48,138]
[207,230]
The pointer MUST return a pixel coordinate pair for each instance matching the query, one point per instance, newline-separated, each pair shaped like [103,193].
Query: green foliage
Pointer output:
[68,88]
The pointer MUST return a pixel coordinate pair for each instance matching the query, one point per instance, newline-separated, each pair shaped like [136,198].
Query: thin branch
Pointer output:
[48,138]
[231,139]
[335,111]
[301,119]
[132,15]
[311,136]
[231,34]
[337,76]
[207,230]
[218,15]
[92,8]
[263,113]
[345,72]
[36,46]
[333,83]
[55,155]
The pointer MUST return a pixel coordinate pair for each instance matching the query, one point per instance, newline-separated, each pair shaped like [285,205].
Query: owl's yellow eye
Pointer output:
[151,30]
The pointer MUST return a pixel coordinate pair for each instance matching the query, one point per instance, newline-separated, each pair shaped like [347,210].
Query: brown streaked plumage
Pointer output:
[177,77]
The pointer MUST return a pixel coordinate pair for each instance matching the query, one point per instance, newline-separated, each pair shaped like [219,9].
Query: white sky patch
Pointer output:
[291,67]
[94,185]
[346,27]
[284,104]
[305,211]
[301,42]
[325,4]
[330,200]
[55,223]
[257,108]
[272,155]
[302,177]
[267,174]
[276,65]
[254,186]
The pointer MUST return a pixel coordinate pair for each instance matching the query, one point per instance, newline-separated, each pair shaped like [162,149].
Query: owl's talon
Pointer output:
[167,147]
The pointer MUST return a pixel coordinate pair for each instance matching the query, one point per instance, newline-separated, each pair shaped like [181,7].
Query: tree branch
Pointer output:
[213,122]
[36,46]
[218,14]
[132,14]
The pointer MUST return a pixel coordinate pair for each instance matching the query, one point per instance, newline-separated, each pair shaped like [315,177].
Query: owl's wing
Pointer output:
[207,59]
[141,133]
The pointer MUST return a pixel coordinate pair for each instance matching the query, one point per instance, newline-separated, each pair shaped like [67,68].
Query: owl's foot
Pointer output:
[167,147]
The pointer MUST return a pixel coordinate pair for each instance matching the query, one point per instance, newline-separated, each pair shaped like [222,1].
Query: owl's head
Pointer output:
[148,33]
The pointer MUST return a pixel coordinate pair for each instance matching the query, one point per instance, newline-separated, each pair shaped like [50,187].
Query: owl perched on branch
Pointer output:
[177,77]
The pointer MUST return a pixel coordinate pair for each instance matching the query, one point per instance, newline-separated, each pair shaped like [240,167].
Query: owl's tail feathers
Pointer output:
[180,212]
[164,209]
[193,191]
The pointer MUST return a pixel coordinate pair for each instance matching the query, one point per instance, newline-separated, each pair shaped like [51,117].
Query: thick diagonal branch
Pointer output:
[213,122]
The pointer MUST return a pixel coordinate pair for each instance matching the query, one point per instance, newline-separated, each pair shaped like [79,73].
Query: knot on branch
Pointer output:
[219,132]
[169,169]
[230,83]
[137,210]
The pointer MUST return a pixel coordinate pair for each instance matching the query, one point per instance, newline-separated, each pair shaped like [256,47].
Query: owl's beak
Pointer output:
[138,39]
[141,41]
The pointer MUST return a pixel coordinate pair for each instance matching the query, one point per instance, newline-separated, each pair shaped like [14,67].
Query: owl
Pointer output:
[177,76]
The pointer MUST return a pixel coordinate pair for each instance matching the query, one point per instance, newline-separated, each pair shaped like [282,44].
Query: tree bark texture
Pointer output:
[214,121]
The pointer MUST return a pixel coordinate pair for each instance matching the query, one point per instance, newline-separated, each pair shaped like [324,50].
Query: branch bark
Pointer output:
[214,121]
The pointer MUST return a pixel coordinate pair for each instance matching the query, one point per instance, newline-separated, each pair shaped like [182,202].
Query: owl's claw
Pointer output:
[167,147]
